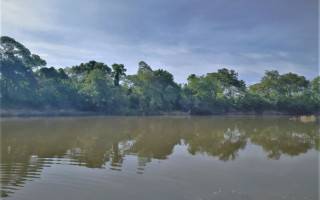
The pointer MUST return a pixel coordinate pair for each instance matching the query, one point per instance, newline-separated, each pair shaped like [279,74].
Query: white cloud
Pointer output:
[164,50]
[43,54]
[67,32]
[283,54]
[29,15]
[256,56]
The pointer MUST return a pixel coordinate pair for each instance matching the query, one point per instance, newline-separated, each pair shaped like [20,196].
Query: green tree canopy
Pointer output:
[86,68]
[18,81]
[118,71]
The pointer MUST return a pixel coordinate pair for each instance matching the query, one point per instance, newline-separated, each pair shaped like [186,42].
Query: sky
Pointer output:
[181,36]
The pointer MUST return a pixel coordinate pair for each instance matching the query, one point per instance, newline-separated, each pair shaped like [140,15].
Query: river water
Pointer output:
[113,157]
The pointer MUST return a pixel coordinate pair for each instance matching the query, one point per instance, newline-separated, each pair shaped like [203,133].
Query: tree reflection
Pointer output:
[224,144]
[28,145]
[285,137]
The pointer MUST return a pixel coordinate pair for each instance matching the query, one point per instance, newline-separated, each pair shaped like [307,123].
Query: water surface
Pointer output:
[219,157]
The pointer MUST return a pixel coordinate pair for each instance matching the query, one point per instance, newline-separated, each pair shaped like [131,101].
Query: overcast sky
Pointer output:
[181,36]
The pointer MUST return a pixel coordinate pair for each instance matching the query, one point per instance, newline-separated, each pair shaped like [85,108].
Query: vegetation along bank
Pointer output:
[27,85]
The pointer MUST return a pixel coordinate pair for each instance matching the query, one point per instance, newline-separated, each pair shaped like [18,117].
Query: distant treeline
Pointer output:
[27,84]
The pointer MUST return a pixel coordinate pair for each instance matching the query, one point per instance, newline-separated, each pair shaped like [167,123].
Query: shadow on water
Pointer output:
[30,144]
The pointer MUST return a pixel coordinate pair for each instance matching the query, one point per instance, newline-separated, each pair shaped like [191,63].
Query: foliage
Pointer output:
[214,93]
[118,71]
[18,82]
[153,91]
[93,86]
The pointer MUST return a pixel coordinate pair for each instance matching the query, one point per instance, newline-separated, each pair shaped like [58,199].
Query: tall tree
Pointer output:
[154,91]
[144,68]
[118,71]
[18,82]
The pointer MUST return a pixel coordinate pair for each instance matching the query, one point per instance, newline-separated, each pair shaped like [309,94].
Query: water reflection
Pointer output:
[28,145]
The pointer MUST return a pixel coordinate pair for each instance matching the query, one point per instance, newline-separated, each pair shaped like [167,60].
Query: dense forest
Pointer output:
[26,83]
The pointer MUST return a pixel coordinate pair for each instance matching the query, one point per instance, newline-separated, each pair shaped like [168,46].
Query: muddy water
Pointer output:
[219,157]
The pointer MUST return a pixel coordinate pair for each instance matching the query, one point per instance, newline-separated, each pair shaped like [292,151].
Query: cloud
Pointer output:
[183,37]
[283,54]
[43,55]
[256,55]
[28,15]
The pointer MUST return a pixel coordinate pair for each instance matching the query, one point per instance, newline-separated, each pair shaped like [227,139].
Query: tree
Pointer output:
[315,89]
[215,92]
[153,91]
[288,92]
[18,82]
[89,66]
[268,86]
[95,91]
[291,84]
[10,49]
[55,88]
[144,68]
[315,93]
[93,86]
[118,71]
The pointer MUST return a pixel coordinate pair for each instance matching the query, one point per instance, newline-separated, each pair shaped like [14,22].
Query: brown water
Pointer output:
[221,157]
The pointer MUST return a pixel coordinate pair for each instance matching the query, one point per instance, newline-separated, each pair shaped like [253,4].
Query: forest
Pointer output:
[27,83]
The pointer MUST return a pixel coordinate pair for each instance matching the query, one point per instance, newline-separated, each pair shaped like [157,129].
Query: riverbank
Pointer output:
[45,113]
[70,112]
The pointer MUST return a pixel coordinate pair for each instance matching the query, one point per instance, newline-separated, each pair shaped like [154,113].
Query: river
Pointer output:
[159,157]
